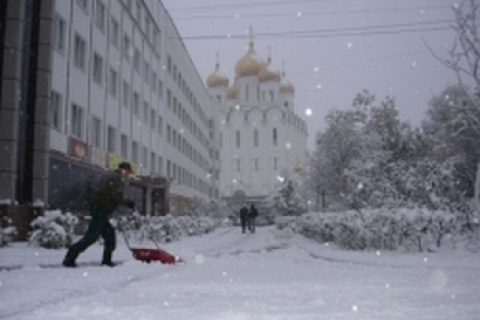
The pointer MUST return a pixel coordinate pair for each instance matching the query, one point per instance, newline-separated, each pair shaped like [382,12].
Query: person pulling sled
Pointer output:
[106,197]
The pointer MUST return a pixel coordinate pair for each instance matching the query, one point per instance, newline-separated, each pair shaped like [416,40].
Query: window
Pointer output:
[136,61]
[83,4]
[135,151]
[96,132]
[126,47]
[146,111]
[169,133]
[169,64]
[100,15]
[160,165]
[146,71]
[274,136]
[153,83]
[237,136]
[285,104]
[153,119]
[153,161]
[147,25]
[160,125]
[79,52]
[255,137]
[111,139]
[113,82]
[124,146]
[139,11]
[239,168]
[97,69]
[145,158]
[56,111]
[126,95]
[114,32]
[160,88]
[76,121]
[59,33]
[136,104]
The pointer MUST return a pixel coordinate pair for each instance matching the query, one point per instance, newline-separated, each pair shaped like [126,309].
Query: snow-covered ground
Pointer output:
[228,275]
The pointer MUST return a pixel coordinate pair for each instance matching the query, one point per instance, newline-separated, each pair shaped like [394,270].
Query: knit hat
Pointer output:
[125,166]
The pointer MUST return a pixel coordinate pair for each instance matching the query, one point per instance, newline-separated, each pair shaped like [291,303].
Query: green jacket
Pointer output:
[108,194]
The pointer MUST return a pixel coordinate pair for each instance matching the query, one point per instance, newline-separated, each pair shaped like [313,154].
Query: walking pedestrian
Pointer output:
[243,217]
[252,215]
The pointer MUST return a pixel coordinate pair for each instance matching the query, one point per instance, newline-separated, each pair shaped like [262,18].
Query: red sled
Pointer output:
[149,255]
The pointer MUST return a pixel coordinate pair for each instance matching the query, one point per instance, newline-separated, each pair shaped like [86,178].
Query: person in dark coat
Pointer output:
[106,197]
[244,217]
[252,215]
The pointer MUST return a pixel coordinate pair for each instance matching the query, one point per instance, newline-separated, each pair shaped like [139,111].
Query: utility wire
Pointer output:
[298,13]
[257,4]
[327,33]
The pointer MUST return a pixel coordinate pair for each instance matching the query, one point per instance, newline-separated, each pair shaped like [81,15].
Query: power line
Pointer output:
[328,33]
[250,4]
[301,13]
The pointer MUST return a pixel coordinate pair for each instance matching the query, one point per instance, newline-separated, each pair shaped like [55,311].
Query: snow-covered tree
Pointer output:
[285,199]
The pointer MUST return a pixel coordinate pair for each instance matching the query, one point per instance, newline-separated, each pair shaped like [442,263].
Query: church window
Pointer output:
[238,138]
[285,104]
[255,137]
[271,95]
[274,136]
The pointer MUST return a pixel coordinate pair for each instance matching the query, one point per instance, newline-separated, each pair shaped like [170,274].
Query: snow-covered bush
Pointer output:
[406,229]
[53,230]
[7,232]
[162,229]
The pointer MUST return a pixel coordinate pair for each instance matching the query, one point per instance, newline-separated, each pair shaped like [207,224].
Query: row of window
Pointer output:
[176,107]
[177,140]
[184,177]
[256,140]
[185,89]
[149,161]
[256,164]
[80,53]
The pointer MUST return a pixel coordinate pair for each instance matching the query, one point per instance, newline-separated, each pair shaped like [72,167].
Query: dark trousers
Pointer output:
[251,224]
[99,226]
[243,221]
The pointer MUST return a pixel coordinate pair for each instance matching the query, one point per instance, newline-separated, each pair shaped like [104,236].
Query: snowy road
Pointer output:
[229,275]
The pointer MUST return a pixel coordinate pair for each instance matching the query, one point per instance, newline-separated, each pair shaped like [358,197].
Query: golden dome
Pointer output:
[216,79]
[231,92]
[268,74]
[250,64]
[286,86]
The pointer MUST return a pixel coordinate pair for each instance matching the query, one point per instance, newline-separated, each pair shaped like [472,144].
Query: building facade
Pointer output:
[262,139]
[89,83]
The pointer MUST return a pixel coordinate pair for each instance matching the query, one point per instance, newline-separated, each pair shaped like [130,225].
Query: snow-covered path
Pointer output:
[229,275]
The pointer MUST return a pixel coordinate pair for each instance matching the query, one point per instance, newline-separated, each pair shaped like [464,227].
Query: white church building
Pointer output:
[262,139]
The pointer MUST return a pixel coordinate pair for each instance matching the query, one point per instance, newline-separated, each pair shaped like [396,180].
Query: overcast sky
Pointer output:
[332,49]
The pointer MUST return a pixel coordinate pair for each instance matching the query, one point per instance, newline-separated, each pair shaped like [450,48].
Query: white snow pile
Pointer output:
[395,229]
[53,230]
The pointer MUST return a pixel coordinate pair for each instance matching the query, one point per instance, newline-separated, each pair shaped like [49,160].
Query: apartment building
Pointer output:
[89,83]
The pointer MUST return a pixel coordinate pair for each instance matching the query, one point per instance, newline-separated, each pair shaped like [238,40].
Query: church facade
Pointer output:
[261,137]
